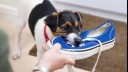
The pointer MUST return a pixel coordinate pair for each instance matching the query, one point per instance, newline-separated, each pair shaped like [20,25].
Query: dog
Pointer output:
[45,23]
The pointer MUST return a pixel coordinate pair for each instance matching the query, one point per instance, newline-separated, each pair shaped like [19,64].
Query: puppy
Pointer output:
[45,23]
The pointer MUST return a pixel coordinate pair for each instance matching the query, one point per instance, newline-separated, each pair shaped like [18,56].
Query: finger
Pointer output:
[57,47]
[69,60]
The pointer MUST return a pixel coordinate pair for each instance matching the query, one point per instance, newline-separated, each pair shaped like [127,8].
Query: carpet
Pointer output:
[113,60]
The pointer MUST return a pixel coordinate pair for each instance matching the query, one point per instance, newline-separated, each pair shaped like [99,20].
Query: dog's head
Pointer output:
[66,23]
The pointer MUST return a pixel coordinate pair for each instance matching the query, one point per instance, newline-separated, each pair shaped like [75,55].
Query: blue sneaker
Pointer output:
[93,41]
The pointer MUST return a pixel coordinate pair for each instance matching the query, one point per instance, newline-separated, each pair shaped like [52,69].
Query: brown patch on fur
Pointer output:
[76,24]
[55,14]
[68,23]
[80,16]
[59,31]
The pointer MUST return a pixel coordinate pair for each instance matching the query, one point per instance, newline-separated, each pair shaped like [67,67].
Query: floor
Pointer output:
[26,62]
[113,60]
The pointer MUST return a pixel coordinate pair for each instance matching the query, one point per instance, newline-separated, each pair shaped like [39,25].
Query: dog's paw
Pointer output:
[16,54]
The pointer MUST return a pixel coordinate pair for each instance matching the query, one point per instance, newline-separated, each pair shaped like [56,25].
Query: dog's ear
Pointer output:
[80,17]
[52,20]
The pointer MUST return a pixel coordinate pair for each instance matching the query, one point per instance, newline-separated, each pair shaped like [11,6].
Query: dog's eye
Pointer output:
[65,28]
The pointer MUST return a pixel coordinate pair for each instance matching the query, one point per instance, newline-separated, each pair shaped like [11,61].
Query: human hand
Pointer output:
[53,59]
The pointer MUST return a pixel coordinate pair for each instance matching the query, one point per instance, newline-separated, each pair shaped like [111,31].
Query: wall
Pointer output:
[12,3]
[113,9]
[8,9]
[119,6]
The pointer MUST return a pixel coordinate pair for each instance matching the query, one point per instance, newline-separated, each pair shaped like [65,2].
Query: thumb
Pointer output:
[57,47]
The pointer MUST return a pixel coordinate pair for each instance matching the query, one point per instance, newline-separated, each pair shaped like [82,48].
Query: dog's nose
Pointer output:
[78,41]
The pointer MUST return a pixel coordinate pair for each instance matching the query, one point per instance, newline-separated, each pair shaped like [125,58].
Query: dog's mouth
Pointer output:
[73,39]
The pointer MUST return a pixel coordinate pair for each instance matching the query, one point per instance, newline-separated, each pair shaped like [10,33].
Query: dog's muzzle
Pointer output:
[74,39]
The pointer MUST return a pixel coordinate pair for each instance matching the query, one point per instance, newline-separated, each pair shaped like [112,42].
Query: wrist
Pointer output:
[39,69]
[44,64]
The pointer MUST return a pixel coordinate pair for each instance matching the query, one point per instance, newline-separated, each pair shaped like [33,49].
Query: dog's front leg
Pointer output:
[19,27]
[20,22]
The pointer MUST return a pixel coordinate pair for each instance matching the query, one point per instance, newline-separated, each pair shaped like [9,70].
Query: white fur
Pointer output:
[39,35]
[71,37]
[24,9]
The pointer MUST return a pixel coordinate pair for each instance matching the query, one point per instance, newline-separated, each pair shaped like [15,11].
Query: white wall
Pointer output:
[12,3]
[119,6]
[113,9]
[8,9]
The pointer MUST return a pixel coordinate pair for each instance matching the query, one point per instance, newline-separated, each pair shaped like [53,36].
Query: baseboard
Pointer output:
[7,13]
[62,5]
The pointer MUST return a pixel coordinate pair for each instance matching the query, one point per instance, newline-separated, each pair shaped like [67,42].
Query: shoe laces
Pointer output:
[94,39]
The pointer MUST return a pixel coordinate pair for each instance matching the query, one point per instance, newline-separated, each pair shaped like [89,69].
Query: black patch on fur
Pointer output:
[67,16]
[52,22]
[41,10]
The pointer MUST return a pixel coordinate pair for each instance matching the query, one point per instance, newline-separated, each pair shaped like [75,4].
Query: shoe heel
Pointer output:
[108,46]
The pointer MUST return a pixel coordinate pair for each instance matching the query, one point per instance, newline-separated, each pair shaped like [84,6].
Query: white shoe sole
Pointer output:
[85,54]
